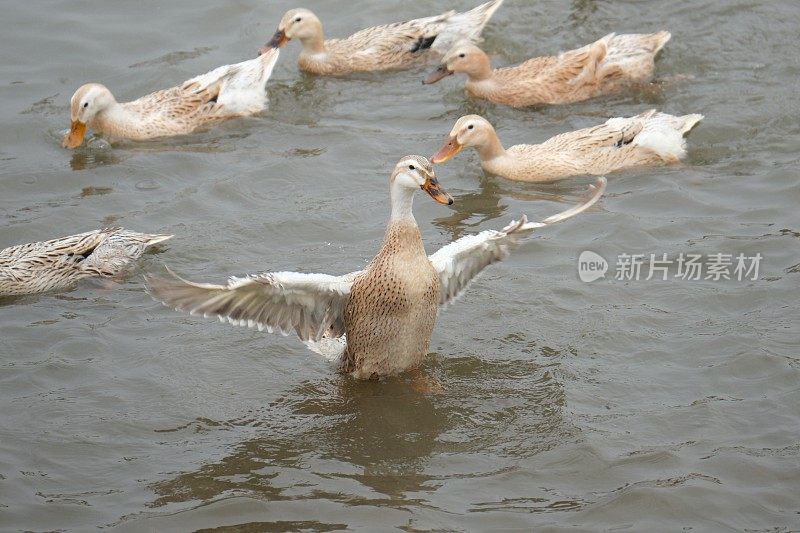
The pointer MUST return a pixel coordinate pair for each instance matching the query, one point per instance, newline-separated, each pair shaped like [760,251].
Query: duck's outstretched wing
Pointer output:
[307,304]
[461,261]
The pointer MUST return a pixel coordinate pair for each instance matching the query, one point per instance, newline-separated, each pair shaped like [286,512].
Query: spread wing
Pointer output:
[461,261]
[307,304]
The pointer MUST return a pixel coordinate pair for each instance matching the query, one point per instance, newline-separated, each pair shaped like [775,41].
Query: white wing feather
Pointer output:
[307,304]
[468,25]
[461,261]
[242,85]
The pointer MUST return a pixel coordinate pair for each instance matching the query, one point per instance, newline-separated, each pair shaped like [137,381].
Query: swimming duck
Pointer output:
[225,92]
[648,139]
[391,46]
[377,321]
[59,263]
[605,66]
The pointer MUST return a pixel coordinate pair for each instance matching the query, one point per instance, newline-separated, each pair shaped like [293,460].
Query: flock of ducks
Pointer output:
[377,321]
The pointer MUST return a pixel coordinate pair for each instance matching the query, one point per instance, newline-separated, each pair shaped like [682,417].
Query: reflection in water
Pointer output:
[95,191]
[11,300]
[173,58]
[478,206]
[276,527]
[383,435]
[44,106]
[84,159]
[302,102]
[472,209]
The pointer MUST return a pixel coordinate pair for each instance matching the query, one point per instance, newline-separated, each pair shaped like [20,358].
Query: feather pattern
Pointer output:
[59,263]
[225,92]
[648,139]
[610,64]
[390,46]
[309,305]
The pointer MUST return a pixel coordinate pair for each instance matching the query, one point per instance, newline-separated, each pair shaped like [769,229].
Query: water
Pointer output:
[649,405]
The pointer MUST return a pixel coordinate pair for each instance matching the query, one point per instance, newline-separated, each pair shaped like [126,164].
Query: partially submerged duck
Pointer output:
[60,263]
[648,139]
[391,46]
[377,321]
[608,65]
[225,92]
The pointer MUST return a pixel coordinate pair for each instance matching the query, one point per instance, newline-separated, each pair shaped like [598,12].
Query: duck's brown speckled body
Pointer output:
[392,308]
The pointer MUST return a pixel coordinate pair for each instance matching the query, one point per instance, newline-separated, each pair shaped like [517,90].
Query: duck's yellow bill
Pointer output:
[450,148]
[77,132]
[432,187]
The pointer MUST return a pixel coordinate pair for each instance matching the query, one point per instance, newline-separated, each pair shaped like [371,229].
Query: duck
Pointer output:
[608,65]
[38,267]
[648,139]
[377,321]
[389,47]
[226,92]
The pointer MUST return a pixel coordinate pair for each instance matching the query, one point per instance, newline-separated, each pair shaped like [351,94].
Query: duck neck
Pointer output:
[482,70]
[403,238]
[316,43]
[491,149]
[114,119]
[402,202]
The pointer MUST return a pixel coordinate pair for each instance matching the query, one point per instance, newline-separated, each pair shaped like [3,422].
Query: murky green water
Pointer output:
[639,405]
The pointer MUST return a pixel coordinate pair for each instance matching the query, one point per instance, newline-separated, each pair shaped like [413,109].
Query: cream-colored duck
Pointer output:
[648,139]
[605,66]
[392,46]
[377,321]
[59,263]
[225,92]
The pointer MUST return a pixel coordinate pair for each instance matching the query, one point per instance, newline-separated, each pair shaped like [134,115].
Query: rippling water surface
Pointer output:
[640,405]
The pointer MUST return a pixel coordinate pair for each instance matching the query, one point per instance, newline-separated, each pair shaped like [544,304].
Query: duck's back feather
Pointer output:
[58,263]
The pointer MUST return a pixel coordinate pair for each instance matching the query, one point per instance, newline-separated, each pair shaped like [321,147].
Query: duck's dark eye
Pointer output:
[470,127]
[462,55]
[412,167]
[298,19]
[86,104]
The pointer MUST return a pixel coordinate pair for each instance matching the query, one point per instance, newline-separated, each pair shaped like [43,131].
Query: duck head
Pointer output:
[415,172]
[87,102]
[469,130]
[465,58]
[299,24]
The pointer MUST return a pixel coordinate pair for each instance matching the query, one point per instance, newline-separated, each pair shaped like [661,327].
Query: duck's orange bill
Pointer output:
[432,187]
[450,148]
[76,134]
